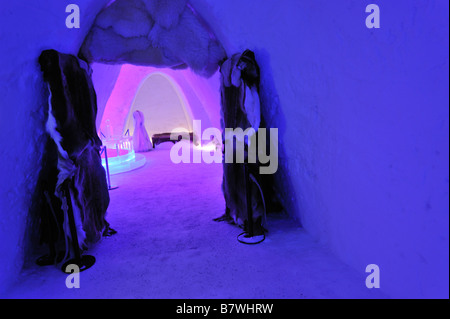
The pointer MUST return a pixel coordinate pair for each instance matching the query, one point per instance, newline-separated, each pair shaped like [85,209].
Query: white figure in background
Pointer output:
[141,141]
[108,129]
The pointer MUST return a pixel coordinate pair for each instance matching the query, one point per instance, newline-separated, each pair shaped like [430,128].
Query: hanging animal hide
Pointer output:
[71,126]
[240,108]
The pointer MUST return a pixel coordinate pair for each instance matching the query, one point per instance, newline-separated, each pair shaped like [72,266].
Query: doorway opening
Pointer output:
[162,62]
[167,101]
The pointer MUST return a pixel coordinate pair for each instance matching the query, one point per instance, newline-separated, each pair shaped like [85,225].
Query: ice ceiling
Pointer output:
[153,33]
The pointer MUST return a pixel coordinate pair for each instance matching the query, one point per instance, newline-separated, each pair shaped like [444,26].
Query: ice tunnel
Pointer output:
[169,99]
[363,135]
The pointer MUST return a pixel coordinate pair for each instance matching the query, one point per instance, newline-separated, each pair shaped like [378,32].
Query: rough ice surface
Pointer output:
[362,115]
[147,32]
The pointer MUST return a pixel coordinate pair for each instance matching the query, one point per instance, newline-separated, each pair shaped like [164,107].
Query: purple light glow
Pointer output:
[201,95]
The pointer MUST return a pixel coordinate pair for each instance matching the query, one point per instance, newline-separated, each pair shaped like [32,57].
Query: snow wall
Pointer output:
[363,115]
[26,29]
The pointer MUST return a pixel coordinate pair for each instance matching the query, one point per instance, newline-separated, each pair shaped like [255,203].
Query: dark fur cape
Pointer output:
[234,116]
[73,153]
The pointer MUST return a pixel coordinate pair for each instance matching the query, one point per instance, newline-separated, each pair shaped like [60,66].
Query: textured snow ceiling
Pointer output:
[157,33]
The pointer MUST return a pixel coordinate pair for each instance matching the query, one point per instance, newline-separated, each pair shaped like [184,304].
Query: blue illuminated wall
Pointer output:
[27,28]
[364,120]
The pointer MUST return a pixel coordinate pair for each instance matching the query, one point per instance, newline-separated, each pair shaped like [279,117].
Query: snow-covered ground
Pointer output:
[168,246]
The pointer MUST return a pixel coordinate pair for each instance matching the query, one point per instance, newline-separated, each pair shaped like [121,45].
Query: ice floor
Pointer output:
[167,246]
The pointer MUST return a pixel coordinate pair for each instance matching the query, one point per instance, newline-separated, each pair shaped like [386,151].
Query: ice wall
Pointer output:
[104,78]
[27,28]
[363,115]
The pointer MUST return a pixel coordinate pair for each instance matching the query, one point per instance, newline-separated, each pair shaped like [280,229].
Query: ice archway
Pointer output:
[163,104]
[168,36]
[160,99]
